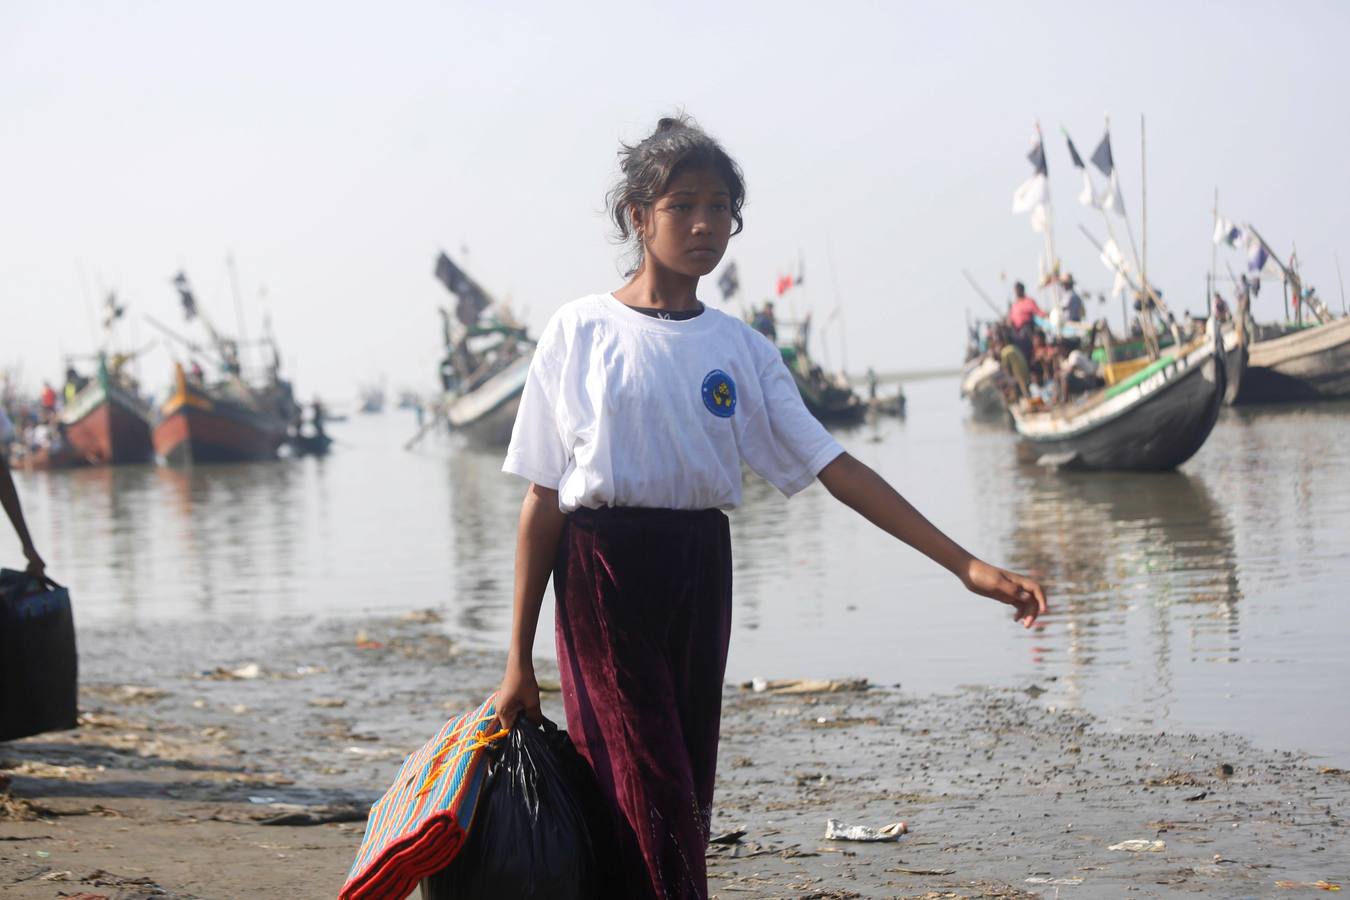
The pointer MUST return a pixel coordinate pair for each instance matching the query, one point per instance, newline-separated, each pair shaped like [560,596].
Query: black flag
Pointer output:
[1101,157]
[472,298]
[1037,157]
[730,282]
[1073,153]
[185,294]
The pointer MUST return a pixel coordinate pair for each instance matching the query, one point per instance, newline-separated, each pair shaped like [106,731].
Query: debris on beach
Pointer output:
[805,685]
[246,672]
[1137,846]
[838,831]
[1315,885]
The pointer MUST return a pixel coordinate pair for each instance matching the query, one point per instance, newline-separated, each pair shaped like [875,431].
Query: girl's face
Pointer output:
[687,228]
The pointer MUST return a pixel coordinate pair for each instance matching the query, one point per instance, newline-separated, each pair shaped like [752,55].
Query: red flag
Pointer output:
[784,284]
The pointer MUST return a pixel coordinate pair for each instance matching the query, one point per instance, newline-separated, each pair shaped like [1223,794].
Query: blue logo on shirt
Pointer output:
[719,394]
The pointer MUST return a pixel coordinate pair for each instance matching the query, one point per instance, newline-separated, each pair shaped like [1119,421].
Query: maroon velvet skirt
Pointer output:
[643,623]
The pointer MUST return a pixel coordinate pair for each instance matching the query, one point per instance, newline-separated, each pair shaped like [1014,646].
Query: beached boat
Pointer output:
[1292,362]
[1153,420]
[107,421]
[226,422]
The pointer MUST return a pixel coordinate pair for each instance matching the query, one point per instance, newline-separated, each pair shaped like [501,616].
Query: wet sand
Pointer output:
[194,735]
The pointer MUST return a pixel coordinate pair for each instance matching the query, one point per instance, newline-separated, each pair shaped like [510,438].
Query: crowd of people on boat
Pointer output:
[37,428]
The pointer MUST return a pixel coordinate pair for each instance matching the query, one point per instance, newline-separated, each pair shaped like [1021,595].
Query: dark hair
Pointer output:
[648,167]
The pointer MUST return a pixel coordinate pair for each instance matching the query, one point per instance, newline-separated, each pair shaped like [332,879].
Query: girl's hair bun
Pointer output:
[647,168]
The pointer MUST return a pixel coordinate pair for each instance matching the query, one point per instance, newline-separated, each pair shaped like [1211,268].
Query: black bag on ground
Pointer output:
[541,830]
[38,667]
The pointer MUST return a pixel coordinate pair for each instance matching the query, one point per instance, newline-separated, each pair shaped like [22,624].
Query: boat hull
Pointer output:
[1235,366]
[107,425]
[1153,427]
[486,415]
[1309,364]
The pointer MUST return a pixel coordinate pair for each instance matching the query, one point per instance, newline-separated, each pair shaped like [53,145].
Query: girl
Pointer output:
[639,409]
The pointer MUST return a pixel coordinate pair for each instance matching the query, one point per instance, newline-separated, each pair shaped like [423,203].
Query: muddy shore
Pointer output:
[194,736]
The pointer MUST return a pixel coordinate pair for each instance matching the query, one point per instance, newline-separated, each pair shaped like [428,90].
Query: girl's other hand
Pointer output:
[1025,596]
[519,693]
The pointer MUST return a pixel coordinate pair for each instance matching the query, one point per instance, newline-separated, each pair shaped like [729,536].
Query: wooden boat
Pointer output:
[107,422]
[1153,420]
[830,399]
[1291,362]
[227,422]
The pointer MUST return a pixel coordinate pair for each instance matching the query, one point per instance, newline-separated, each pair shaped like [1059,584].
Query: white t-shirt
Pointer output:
[625,409]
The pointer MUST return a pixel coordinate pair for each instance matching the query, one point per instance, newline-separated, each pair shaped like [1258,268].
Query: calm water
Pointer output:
[1212,599]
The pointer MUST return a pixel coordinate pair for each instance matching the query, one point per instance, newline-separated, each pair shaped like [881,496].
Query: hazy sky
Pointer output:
[333,148]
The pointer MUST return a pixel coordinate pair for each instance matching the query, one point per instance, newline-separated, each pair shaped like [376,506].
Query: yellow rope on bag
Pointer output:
[479,740]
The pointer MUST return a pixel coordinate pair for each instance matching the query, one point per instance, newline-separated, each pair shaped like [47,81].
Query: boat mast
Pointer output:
[238,309]
[1341,279]
[1052,261]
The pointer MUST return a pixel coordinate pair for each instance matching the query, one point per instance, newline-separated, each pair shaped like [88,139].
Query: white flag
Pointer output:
[1030,194]
[1040,218]
[1112,258]
[1112,198]
[1088,197]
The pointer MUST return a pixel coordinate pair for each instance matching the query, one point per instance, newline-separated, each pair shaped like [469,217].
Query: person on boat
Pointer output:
[9,499]
[1221,308]
[765,323]
[1043,359]
[317,417]
[48,398]
[1078,371]
[75,383]
[1022,318]
[639,409]
[1015,375]
[1073,306]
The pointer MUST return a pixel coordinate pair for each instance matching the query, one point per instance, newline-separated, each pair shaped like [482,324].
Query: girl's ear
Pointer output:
[639,219]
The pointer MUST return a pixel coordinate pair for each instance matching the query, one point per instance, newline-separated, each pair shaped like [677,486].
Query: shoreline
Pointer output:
[190,738]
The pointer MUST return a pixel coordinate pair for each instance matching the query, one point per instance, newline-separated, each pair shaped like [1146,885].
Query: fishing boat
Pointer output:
[229,420]
[107,421]
[224,422]
[1153,420]
[830,398]
[1298,362]
[487,357]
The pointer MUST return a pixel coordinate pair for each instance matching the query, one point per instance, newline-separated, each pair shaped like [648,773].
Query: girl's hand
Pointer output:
[36,567]
[1021,593]
[519,693]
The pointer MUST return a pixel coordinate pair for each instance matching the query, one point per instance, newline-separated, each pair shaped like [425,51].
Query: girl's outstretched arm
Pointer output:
[537,538]
[857,486]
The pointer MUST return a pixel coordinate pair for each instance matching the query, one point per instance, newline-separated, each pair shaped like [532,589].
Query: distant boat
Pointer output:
[372,399]
[1153,420]
[830,398]
[227,422]
[107,422]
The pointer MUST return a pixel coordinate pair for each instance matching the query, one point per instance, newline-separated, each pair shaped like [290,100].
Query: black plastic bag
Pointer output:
[38,666]
[541,829]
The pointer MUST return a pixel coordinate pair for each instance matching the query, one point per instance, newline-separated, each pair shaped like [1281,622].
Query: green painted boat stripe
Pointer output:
[1122,386]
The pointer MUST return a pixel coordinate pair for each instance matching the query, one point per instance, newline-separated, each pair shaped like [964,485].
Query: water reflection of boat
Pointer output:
[1153,420]
[487,356]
